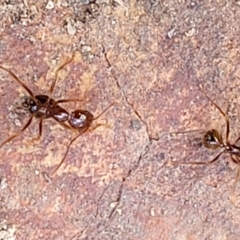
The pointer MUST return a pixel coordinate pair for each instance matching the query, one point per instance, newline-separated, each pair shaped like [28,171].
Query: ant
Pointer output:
[40,106]
[212,139]
[44,107]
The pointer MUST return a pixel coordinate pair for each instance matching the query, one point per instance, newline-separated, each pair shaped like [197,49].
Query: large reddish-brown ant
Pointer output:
[43,107]
[40,106]
[212,139]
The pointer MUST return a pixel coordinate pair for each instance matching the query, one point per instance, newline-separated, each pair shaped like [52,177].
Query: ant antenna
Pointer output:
[18,80]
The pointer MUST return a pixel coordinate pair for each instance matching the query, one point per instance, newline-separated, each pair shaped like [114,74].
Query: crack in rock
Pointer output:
[145,148]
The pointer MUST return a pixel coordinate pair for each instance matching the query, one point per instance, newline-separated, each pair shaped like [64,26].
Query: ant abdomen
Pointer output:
[80,119]
[212,139]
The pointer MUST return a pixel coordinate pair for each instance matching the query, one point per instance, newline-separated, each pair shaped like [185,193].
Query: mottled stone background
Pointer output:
[122,181]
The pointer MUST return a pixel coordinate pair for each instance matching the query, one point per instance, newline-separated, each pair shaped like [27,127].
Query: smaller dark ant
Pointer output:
[212,139]
[43,107]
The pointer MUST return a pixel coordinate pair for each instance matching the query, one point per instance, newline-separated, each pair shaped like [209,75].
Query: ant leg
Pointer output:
[237,174]
[65,125]
[236,178]
[71,142]
[69,100]
[98,125]
[18,80]
[39,131]
[19,133]
[237,140]
[68,147]
[203,163]
[74,139]
[200,131]
[235,159]
[222,112]
[60,68]
[105,110]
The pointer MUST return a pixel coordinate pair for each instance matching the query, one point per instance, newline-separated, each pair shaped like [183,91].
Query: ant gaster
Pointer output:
[43,107]
[212,139]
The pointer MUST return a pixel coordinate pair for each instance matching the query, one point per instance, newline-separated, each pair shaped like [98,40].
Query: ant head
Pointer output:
[29,104]
[212,139]
[80,119]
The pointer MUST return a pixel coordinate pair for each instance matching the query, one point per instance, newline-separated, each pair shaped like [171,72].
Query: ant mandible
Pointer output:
[43,107]
[212,139]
